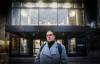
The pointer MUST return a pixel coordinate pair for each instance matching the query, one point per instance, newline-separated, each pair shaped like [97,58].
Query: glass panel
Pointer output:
[76,17]
[2,46]
[25,16]
[36,47]
[72,45]
[72,17]
[15,16]
[7,41]
[63,17]
[29,16]
[81,46]
[34,17]
[23,46]
[48,17]
[80,17]
[14,46]
[36,51]
[37,43]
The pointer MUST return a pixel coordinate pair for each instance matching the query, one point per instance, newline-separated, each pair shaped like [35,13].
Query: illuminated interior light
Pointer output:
[67,21]
[29,4]
[24,13]
[2,42]
[29,20]
[41,4]
[48,23]
[65,5]
[72,13]
[53,5]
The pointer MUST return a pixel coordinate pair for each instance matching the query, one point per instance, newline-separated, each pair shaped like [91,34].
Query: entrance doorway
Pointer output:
[28,44]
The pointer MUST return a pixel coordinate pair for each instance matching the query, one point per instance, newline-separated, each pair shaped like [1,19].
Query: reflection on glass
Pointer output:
[72,45]
[37,43]
[36,51]
[36,46]
[23,46]
[63,17]
[48,17]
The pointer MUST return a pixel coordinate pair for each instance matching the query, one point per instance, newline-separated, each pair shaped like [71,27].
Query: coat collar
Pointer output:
[51,51]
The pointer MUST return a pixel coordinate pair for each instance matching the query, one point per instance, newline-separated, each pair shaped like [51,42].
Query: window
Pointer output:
[63,17]
[72,46]
[77,46]
[76,17]
[34,17]
[47,16]
[23,46]
[72,17]
[41,13]
[19,46]
[36,46]
[15,16]
[29,16]
[14,45]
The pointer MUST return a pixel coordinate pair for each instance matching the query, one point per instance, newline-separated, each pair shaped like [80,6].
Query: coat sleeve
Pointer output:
[64,57]
[37,58]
